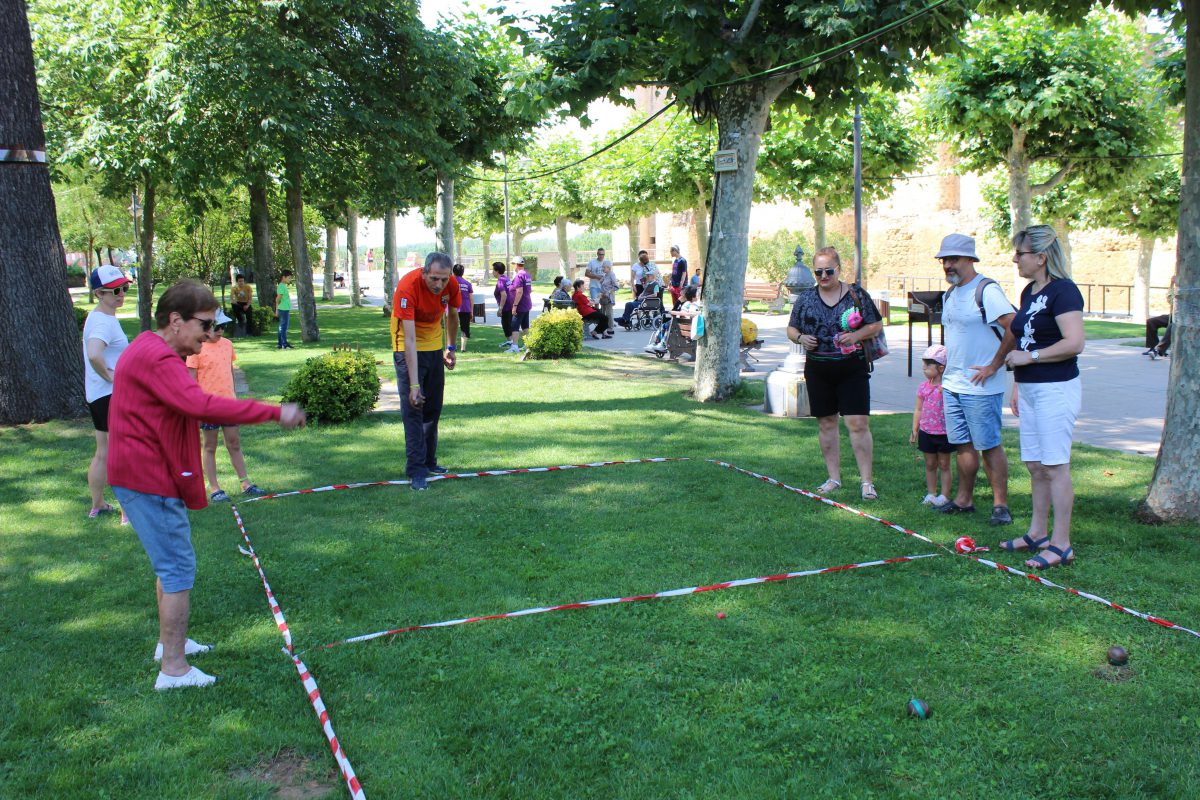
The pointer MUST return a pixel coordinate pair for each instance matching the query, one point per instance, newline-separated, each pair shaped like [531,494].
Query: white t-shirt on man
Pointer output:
[105,328]
[594,267]
[969,342]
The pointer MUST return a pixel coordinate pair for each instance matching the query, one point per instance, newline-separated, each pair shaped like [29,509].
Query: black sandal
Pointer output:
[1030,543]
[1064,557]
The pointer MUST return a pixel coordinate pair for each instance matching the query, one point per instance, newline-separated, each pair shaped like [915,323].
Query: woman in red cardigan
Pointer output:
[154,458]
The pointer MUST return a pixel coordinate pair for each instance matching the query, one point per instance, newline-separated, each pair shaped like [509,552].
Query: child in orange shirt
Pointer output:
[213,370]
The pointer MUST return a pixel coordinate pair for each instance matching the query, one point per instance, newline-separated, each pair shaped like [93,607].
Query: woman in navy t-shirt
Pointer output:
[1046,397]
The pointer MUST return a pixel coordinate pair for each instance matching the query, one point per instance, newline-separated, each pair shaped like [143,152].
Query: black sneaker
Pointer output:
[438,470]
[954,508]
[419,484]
[1000,516]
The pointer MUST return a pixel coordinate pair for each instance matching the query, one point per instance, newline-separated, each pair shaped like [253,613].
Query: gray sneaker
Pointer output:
[1000,516]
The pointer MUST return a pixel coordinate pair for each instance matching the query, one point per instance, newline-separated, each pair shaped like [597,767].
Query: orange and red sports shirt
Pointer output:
[413,300]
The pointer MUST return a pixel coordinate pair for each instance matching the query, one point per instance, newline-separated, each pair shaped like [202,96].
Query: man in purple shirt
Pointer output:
[466,309]
[521,290]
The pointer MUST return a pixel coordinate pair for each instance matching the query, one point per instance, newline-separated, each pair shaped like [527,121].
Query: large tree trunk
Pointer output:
[352,249]
[1063,228]
[41,358]
[1175,488]
[330,260]
[817,209]
[486,244]
[518,240]
[1140,304]
[389,260]
[298,239]
[445,212]
[260,235]
[565,267]
[631,227]
[1020,196]
[741,117]
[146,269]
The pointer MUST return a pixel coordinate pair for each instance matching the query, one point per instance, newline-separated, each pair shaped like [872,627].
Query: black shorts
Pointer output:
[464,323]
[99,409]
[934,443]
[838,387]
[520,321]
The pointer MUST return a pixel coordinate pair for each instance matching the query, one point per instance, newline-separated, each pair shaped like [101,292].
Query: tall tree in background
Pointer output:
[41,367]
[732,61]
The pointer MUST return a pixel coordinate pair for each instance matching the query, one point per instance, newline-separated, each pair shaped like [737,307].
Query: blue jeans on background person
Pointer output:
[283,328]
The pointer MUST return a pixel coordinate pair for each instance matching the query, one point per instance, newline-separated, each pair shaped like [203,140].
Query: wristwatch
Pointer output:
[1035,355]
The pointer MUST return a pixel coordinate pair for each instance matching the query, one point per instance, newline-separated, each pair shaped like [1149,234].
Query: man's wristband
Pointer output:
[451,347]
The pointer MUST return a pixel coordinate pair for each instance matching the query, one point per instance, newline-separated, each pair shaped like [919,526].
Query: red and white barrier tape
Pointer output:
[452,475]
[828,502]
[1001,567]
[314,697]
[276,611]
[631,599]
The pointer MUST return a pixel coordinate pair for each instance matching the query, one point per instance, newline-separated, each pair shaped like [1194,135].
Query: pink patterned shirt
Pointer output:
[933,415]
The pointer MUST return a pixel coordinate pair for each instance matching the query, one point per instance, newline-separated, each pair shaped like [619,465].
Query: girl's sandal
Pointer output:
[1030,543]
[868,491]
[829,486]
[1039,562]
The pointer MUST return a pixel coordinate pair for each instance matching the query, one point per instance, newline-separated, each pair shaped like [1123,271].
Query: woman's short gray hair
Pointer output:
[1042,239]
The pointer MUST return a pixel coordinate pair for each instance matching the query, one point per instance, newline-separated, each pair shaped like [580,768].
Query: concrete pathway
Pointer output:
[1124,393]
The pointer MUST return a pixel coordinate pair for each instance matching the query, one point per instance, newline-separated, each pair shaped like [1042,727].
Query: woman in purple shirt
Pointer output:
[503,303]
[465,309]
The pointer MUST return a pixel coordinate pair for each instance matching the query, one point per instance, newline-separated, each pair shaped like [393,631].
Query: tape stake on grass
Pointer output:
[314,697]
[828,502]
[491,473]
[985,562]
[630,599]
[276,611]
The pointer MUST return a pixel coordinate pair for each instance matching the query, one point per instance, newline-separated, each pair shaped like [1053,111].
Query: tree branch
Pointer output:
[751,16]
[1054,180]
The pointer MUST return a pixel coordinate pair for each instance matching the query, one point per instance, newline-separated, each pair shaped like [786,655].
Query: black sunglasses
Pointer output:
[825,272]
[206,324]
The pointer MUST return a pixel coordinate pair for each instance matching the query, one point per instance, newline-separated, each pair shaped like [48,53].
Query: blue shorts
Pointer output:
[162,525]
[973,419]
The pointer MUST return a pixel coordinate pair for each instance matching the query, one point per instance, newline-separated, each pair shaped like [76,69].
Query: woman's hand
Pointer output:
[1018,358]
[808,342]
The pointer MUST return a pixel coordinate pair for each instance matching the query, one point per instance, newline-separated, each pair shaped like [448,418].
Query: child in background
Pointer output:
[212,368]
[929,427]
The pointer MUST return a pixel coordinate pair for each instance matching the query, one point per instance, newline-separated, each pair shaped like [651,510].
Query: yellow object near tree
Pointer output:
[749,331]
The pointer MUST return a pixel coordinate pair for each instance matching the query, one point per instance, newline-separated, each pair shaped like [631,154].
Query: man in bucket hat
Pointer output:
[975,319]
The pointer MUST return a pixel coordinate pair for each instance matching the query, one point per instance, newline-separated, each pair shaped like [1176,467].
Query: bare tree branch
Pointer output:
[1040,189]
[751,16]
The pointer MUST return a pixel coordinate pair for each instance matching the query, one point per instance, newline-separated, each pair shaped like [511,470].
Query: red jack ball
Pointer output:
[720,615]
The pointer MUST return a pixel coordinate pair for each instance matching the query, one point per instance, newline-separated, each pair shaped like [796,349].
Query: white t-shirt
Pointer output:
[596,267]
[969,342]
[105,328]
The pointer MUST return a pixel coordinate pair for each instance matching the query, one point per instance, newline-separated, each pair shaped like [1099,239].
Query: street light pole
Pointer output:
[507,244]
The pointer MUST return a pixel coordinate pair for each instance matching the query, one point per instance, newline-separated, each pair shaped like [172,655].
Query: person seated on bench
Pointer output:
[589,313]
[560,294]
[650,288]
[1154,347]
[658,342]
[339,280]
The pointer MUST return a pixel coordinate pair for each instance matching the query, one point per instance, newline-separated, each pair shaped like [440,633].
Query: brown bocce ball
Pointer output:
[1118,656]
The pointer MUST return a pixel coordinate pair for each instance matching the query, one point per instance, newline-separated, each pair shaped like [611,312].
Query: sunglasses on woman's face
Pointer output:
[821,273]
[206,324]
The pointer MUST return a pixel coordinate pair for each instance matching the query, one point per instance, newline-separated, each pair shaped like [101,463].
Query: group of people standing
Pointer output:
[960,404]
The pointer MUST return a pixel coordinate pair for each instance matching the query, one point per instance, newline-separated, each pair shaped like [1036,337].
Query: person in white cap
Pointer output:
[929,428]
[103,342]
[975,318]
[212,368]
[521,289]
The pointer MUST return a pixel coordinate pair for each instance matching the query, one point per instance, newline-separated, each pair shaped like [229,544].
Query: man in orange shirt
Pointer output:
[422,351]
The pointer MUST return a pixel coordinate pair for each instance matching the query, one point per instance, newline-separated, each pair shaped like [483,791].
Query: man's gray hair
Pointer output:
[436,259]
[1042,239]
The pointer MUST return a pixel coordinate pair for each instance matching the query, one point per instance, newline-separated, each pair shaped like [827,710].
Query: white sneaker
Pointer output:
[940,501]
[190,648]
[193,677]
[929,500]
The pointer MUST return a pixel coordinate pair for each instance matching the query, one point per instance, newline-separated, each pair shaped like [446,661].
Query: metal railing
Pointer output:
[1099,299]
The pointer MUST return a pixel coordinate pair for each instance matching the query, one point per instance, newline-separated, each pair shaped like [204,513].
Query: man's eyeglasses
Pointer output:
[206,324]
[1026,253]
[821,273]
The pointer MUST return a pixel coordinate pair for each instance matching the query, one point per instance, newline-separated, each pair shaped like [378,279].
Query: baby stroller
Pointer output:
[648,315]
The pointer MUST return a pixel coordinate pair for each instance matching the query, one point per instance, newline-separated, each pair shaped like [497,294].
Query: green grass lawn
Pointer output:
[799,691]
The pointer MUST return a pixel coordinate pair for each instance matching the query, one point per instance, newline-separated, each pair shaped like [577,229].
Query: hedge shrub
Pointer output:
[259,320]
[80,315]
[556,334]
[336,387]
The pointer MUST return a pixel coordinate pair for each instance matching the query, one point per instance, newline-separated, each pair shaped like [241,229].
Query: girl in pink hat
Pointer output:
[929,428]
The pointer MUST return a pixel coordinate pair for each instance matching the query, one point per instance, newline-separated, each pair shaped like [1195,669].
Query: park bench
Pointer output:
[679,342]
[770,293]
[548,304]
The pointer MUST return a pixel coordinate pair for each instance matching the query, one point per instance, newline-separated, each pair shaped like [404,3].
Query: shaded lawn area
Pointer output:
[800,690]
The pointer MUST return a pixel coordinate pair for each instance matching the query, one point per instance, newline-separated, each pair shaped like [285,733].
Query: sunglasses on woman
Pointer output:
[206,324]
[821,273]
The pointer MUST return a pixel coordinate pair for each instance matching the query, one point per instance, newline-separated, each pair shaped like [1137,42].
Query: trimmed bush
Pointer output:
[259,320]
[556,334]
[337,387]
[80,315]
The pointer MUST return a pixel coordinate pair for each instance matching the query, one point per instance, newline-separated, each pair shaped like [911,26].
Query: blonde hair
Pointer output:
[1042,239]
[829,252]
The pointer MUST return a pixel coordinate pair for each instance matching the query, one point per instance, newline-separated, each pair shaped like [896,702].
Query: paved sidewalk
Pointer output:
[1124,393]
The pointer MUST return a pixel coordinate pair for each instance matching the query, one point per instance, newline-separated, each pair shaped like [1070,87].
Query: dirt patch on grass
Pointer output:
[293,777]
[1111,674]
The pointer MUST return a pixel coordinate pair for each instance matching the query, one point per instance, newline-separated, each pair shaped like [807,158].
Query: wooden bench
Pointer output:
[770,293]
[679,342]
[548,304]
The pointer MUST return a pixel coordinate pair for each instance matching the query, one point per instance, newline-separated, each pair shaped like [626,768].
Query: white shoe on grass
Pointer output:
[940,501]
[190,648]
[929,500]
[193,677]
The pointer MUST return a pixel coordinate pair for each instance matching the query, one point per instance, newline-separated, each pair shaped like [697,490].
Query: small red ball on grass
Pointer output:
[720,615]
[1118,656]
[919,709]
